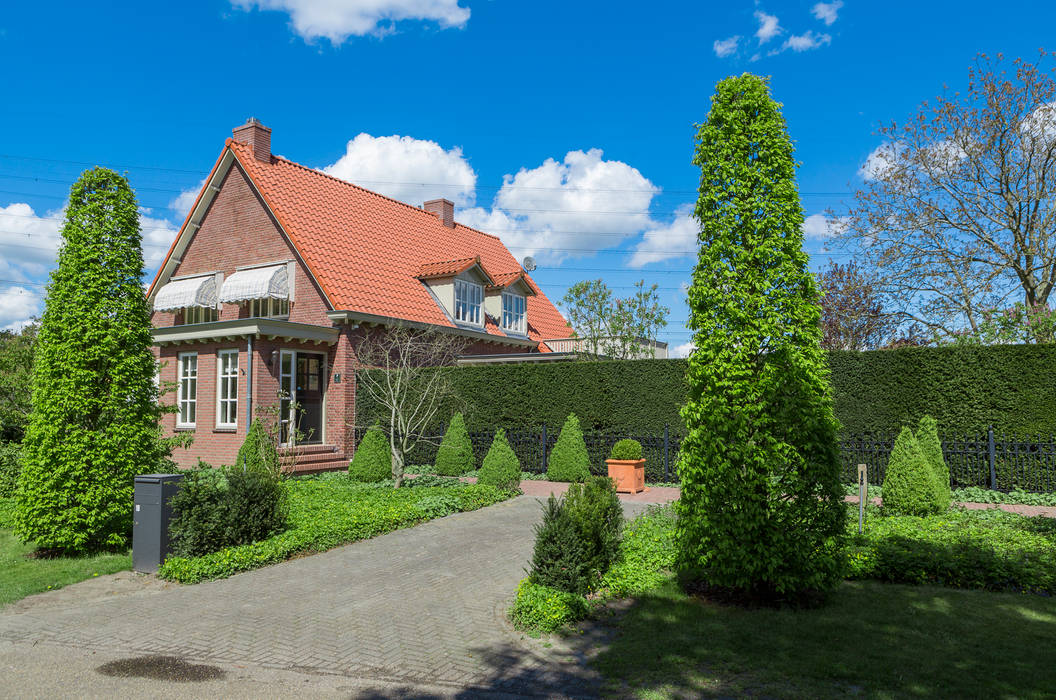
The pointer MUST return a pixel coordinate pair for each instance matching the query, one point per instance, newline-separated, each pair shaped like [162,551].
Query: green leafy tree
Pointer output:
[910,484]
[761,513]
[500,467]
[931,448]
[16,381]
[569,460]
[624,329]
[455,456]
[94,423]
[372,461]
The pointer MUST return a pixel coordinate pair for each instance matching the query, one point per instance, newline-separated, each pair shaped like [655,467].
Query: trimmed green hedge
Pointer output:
[963,388]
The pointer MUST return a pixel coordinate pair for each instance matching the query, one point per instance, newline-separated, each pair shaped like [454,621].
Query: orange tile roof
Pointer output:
[507,278]
[449,268]
[367,250]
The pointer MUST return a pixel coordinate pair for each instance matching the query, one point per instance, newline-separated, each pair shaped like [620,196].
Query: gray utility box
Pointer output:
[153,511]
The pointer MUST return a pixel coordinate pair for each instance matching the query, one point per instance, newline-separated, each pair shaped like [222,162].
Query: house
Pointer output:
[279,270]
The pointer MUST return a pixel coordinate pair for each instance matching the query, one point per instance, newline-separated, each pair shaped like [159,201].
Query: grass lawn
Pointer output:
[21,576]
[872,640]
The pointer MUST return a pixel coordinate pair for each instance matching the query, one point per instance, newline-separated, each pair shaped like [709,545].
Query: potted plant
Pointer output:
[627,467]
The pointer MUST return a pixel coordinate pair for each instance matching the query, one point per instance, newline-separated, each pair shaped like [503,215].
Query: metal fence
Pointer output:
[988,460]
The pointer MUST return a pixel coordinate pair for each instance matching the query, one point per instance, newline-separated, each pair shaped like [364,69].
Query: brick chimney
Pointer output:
[257,136]
[444,210]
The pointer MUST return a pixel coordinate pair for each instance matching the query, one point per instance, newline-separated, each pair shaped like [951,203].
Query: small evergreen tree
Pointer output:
[455,456]
[500,467]
[931,447]
[258,451]
[569,460]
[372,461]
[910,484]
[559,559]
[761,513]
[595,509]
[94,423]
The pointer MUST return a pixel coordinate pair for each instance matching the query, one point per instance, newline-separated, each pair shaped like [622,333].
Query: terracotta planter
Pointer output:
[629,474]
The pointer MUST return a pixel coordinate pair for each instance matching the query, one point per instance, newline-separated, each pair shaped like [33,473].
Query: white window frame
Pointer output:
[469,303]
[183,380]
[515,309]
[269,308]
[200,314]
[227,377]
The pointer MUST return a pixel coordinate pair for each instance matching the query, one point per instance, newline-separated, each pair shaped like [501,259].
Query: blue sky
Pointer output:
[566,128]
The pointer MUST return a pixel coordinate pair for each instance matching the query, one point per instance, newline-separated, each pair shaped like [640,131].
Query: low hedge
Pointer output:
[328,512]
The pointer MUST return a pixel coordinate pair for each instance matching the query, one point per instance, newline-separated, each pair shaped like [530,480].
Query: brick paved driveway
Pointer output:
[422,605]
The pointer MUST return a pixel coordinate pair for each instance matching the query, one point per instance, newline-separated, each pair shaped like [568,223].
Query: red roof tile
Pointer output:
[450,268]
[367,251]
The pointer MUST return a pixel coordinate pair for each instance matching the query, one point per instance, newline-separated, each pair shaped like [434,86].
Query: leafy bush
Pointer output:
[559,559]
[931,448]
[626,449]
[9,468]
[595,509]
[259,452]
[200,517]
[455,456]
[546,609]
[647,554]
[437,505]
[569,460]
[988,549]
[372,460]
[256,506]
[325,513]
[910,485]
[500,467]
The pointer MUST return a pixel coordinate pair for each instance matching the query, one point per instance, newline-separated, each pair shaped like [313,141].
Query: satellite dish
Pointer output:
[528,263]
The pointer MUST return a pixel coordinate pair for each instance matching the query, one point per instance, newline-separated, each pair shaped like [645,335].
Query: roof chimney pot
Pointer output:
[444,209]
[256,136]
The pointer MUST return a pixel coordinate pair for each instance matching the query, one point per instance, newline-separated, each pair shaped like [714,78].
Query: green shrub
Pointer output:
[560,559]
[372,460]
[259,452]
[910,485]
[199,520]
[595,509]
[626,449]
[455,456]
[9,468]
[545,609]
[256,505]
[989,549]
[931,448]
[647,554]
[437,505]
[500,467]
[569,460]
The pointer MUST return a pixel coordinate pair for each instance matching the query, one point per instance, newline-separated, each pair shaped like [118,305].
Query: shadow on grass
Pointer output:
[871,640]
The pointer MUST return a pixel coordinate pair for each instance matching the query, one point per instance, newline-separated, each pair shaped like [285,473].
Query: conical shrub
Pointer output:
[500,467]
[569,460]
[455,456]
[372,461]
[258,452]
[910,485]
[931,447]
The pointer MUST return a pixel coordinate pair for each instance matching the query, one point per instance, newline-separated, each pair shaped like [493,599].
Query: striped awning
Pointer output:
[185,293]
[256,283]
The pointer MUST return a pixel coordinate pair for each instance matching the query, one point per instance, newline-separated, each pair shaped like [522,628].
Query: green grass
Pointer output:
[21,576]
[871,640]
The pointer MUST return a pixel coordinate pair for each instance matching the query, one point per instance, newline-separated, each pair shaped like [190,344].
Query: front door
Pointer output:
[303,384]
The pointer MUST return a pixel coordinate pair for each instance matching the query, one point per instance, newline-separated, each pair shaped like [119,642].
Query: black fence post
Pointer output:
[667,463]
[993,457]
[543,465]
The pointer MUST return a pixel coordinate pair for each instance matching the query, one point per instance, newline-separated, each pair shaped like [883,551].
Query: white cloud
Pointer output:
[29,243]
[685,349]
[879,162]
[668,241]
[726,47]
[158,235]
[17,306]
[408,169]
[817,227]
[185,200]
[768,27]
[337,20]
[826,11]
[567,208]
[806,41]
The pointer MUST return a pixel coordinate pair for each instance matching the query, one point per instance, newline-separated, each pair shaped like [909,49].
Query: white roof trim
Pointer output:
[187,292]
[256,283]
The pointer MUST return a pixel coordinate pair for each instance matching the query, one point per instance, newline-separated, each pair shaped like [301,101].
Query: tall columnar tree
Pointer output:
[761,512]
[94,422]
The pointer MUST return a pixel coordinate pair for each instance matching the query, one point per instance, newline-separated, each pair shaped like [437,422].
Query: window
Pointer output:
[187,391]
[269,308]
[513,308]
[468,298]
[200,314]
[227,389]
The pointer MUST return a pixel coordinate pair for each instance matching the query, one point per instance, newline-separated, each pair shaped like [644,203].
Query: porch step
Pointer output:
[311,459]
[317,467]
[307,449]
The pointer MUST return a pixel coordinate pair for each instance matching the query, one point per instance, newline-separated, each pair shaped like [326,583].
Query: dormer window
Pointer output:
[513,313]
[469,297]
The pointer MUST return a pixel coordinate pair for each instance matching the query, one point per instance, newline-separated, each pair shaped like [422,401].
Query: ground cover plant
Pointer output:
[331,510]
[23,574]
